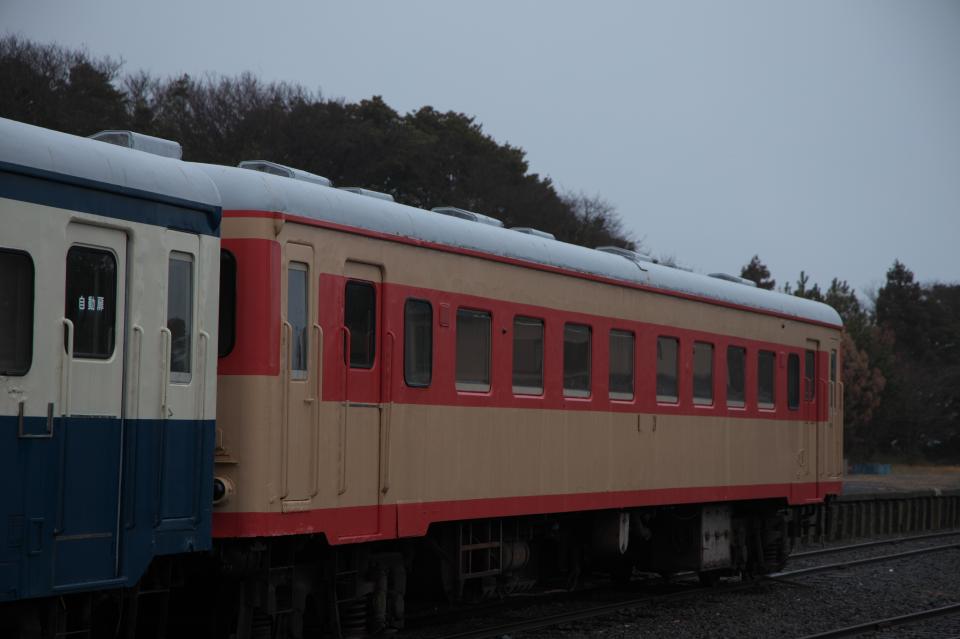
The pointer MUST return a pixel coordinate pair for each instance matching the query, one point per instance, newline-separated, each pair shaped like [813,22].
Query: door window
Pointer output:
[297,316]
[91,301]
[360,312]
[180,315]
[793,381]
[809,375]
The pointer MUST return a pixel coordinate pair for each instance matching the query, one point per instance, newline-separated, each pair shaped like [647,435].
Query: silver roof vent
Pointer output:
[734,279]
[141,142]
[284,171]
[530,231]
[464,214]
[627,253]
[367,192]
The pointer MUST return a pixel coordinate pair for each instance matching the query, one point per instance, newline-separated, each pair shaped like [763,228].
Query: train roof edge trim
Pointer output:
[80,160]
[248,191]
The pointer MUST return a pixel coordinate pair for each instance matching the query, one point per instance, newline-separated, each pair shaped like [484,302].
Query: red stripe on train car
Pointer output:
[256,349]
[514,261]
[258,329]
[367,523]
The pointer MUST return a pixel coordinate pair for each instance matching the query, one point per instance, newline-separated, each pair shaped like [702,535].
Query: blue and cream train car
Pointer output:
[108,347]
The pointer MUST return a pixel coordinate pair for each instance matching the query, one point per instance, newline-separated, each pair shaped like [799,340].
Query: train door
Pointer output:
[86,522]
[185,345]
[301,336]
[361,427]
[812,398]
[833,442]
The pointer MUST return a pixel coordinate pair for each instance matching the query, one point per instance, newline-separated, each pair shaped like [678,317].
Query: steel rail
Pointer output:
[881,624]
[868,544]
[859,562]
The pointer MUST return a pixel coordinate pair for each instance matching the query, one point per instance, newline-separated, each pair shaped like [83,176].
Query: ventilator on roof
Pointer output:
[627,253]
[367,192]
[530,231]
[285,171]
[734,279]
[464,214]
[141,142]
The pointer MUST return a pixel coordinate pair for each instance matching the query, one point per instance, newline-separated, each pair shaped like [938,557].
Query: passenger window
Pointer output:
[702,373]
[227,329]
[180,315]
[417,343]
[298,316]
[91,301]
[809,375]
[621,365]
[360,312]
[473,350]
[576,360]
[766,373]
[527,356]
[16,312]
[736,376]
[793,381]
[667,350]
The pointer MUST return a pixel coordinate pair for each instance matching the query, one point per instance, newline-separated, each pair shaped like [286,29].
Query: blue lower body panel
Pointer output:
[91,505]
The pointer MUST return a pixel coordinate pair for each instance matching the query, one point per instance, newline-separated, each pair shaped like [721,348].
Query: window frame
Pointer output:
[618,395]
[697,399]
[772,404]
[186,376]
[794,391]
[31,303]
[663,398]
[741,403]
[299,374]
[370,362]
[225,348]
[116,296]
[809,383]
[578,393]
[470,386]
[519,389]
[406,351]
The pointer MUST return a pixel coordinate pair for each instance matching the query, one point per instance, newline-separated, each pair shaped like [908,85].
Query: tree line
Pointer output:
[424,158]
[901,350]
[901,363]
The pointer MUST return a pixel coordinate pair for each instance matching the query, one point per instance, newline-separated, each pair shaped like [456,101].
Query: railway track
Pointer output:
[692,590]
[888,622]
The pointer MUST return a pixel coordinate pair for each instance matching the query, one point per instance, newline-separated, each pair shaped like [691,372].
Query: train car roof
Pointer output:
[243,189]
[69,158]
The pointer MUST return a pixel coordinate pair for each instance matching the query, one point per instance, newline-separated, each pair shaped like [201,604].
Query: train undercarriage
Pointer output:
[302,587]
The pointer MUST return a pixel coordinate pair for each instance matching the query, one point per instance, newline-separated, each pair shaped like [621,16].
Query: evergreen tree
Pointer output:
[757,271]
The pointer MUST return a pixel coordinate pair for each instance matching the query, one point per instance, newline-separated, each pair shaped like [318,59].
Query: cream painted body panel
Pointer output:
[437,453]
[43,233]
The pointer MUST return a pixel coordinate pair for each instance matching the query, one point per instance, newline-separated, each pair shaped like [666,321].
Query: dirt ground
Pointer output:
[904,478]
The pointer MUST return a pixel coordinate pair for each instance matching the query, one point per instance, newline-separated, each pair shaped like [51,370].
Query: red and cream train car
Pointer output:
[423,396]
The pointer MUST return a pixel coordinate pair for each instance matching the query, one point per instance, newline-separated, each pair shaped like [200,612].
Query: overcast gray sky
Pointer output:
[824,136]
